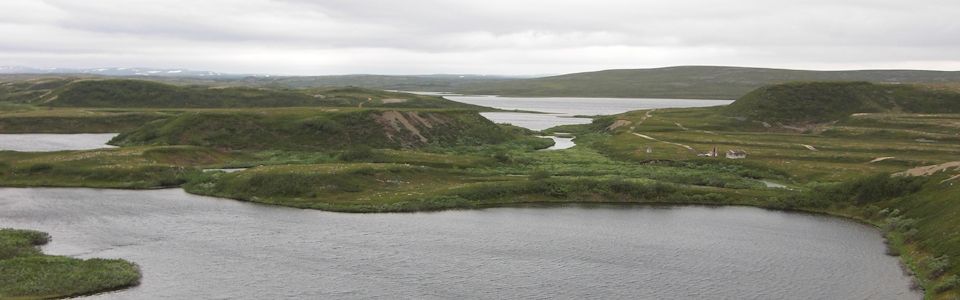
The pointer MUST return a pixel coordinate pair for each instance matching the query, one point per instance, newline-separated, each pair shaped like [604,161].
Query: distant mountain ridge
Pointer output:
[682,82]
[113,71]
[697,82]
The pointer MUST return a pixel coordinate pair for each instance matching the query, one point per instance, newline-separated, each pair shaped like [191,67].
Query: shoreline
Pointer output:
[904,259]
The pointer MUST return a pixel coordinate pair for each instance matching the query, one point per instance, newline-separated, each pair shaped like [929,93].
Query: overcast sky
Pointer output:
[478,36]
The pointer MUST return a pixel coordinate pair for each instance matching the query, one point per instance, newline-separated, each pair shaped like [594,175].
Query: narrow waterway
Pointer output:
[557,111]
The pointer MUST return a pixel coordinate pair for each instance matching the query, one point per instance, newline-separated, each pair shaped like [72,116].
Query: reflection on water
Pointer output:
[572,106]
[534,121]
[192,247]
[38,142]
[562,110]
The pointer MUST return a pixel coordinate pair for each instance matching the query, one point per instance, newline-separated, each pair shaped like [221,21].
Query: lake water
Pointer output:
[560,143]
[561,110]
[534,121]
[39,142]
[582,106]
[192,247]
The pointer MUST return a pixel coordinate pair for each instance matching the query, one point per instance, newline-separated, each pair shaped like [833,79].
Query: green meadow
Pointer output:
[366,156]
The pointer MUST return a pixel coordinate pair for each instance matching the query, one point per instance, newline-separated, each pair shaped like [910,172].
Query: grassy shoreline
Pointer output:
[908,256]
[26,273]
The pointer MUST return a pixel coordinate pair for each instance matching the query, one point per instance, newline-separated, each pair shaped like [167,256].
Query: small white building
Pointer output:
[712,153]
[736,154]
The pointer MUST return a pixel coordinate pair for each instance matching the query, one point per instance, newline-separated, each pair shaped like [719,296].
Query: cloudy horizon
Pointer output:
[299,37]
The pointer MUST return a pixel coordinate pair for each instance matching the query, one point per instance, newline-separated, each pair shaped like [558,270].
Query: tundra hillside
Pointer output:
[369,159]
[884,154]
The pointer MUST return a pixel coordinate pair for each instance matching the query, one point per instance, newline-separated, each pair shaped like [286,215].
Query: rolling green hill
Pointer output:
[816,102]
[126,93]
[385,82]
[321,130]
[135,93]
[692,82]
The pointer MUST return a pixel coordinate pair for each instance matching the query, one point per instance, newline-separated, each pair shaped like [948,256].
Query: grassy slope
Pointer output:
[698,82]
[830,179]
[25,273]
[86,105]
[815,102]
[32,119]
[319,130]
[936,209]
[134,93]
[129,167]
[116,93]
[386,82]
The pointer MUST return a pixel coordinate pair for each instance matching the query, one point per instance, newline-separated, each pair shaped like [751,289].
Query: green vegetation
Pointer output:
[383,82]
[94,105]
[74,121]
[129,167]
[817,102]
[355,158]
[23,90]
[362,97]
[686,82]
[841,168]
[681,82]
[416,181]
[321,130]
[136,93]
[125,93]
[25,273]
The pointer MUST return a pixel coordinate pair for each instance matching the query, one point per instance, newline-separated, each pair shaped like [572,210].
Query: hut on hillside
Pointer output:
[712,153]
[736,154]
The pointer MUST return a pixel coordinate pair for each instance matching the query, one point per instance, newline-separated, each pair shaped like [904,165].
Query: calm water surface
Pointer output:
[192,247]
[561,110]
[38,142]
[580,105]
[560,143]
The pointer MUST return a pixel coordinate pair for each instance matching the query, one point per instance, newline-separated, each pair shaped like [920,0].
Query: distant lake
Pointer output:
[582,106]
[193,247]
[38,142]
[560,110]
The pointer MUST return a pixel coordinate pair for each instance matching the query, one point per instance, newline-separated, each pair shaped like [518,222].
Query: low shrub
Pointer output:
[937,266]
[949,283]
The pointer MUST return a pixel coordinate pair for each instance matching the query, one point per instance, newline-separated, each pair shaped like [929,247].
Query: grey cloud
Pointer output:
[532,36]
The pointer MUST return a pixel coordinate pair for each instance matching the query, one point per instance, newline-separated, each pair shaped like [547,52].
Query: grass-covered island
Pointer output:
[887,155]
[26,273]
